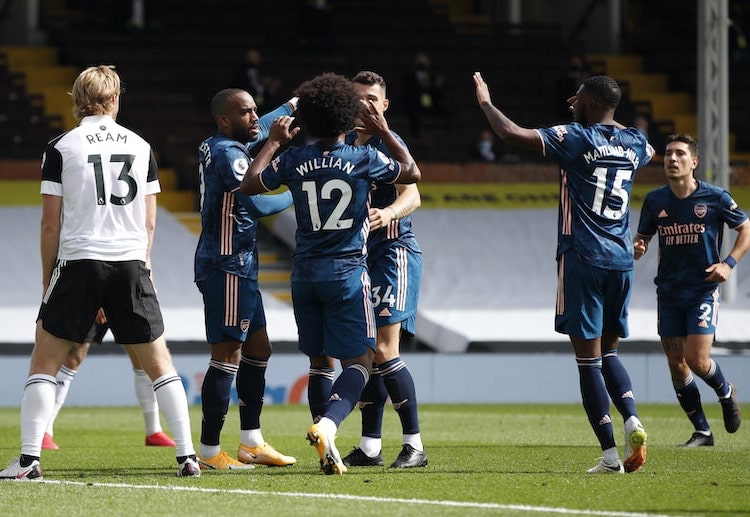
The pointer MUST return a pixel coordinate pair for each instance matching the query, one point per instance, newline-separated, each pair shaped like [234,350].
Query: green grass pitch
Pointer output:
[483,460]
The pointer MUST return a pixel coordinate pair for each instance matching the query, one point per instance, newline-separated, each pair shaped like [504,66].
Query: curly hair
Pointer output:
[328,105]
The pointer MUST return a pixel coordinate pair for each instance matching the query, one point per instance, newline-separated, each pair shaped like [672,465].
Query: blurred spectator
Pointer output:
[484,150]
[249,77]
[424,93]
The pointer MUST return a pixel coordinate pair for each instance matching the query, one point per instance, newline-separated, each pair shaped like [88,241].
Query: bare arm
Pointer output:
[506,129]
[375,124]
[50,235]
[720,271]
[280,134]
[406,202]
[150,225]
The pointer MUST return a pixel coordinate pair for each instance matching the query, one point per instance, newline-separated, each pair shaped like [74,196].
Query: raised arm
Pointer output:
[280,134]
[375,124]
[261,206]
[510,132]
[264,122]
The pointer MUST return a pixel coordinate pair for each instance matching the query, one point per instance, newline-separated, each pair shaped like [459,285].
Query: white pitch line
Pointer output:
[455,504]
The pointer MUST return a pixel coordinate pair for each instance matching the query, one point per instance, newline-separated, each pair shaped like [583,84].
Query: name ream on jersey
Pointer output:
[617,151]
[679,234]
[97,138]
[326,162]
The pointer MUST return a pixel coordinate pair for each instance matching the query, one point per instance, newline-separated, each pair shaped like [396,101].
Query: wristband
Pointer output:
[730,261]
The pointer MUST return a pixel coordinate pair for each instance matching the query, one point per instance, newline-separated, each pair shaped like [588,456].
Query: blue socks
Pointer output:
[595,399]
[345,392]
[319,384]
[618,384]
[251,385]
[216,392]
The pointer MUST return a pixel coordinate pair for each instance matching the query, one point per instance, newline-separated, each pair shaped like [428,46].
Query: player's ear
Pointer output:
[386,103]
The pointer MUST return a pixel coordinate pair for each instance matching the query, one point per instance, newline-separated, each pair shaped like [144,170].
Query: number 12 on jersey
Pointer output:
[334,221]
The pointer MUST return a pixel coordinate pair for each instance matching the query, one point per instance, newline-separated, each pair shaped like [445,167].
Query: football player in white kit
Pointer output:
[99,186]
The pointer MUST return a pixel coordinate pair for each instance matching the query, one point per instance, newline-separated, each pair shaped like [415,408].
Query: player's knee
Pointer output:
[699,365]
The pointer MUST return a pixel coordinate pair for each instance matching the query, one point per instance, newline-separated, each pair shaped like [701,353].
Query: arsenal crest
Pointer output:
[700,210]
[244,325]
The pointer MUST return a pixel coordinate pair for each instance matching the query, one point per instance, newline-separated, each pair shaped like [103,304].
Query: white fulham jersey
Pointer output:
[103,171]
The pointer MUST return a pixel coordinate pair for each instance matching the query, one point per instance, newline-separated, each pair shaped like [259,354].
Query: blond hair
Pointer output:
[93,91]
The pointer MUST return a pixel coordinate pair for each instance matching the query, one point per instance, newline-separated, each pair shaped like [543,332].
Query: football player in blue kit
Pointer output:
[226,273]
[598,158]
[330,182]
[689,217]
[394,260]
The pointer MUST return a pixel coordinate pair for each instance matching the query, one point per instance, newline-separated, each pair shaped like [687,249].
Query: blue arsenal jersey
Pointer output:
[228,228]
[690,231]
[381,196]
[330,186]
[597,166]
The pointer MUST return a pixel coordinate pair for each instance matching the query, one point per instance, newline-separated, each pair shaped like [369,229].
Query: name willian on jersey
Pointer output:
[617,151]
[326,162]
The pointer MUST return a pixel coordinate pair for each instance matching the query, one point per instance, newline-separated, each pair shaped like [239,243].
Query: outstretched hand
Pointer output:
[282,131]
[482,90]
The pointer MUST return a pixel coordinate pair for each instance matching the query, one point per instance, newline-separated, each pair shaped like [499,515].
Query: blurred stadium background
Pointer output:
[487,228]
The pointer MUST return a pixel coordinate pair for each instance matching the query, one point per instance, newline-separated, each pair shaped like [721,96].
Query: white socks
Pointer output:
[170,395]
[370,446]
[251,437]
[36,409]
[64,378]
[415,440]
[144,392]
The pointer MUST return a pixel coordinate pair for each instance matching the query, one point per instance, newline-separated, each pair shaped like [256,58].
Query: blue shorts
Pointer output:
[396,275]
[680,316]
[232,307]
[335,318]
[591,300]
